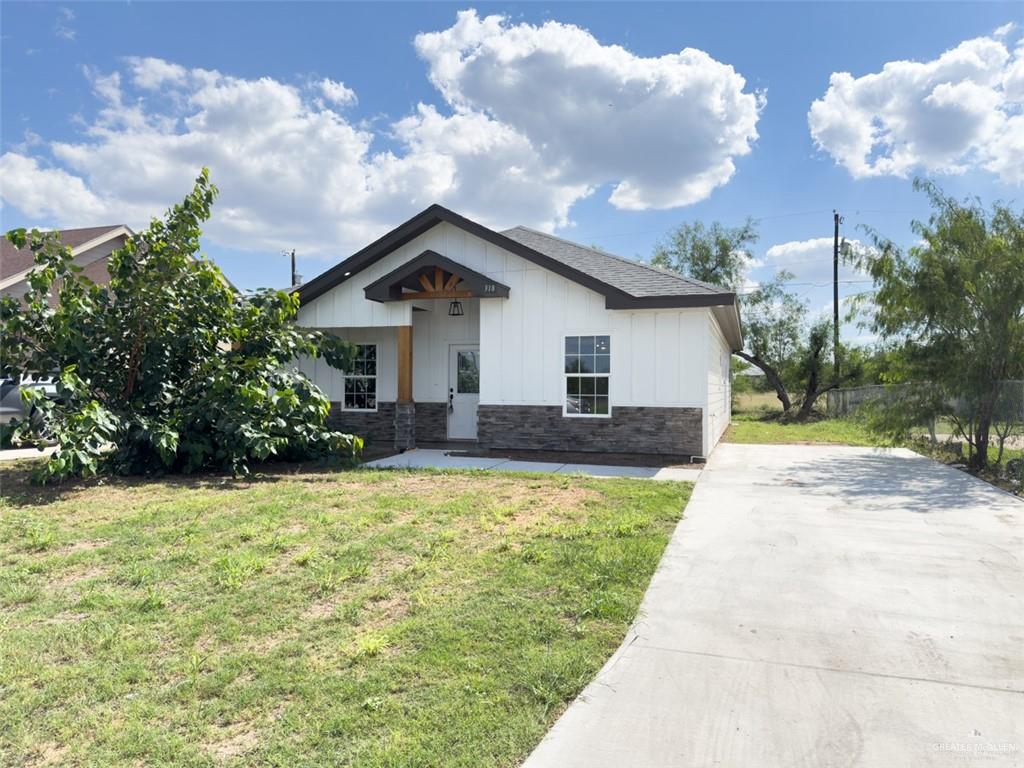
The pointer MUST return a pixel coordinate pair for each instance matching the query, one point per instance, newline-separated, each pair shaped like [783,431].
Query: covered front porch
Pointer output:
[416,380]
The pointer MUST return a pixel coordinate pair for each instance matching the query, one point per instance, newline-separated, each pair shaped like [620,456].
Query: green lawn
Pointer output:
[313,618]
[765,428]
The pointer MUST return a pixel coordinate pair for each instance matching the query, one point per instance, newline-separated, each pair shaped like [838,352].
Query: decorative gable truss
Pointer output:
[433,276]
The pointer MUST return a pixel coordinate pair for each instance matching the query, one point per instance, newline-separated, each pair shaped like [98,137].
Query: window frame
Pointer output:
[346,376]
[460,349]
[566,413]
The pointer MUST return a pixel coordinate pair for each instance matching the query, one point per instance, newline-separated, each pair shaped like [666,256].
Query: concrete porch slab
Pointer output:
[425,458]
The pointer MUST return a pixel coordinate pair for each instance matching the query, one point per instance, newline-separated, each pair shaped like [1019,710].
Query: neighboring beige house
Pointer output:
[90,246]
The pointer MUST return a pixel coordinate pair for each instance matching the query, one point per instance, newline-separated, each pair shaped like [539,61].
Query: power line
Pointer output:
[813,284]
[768,217]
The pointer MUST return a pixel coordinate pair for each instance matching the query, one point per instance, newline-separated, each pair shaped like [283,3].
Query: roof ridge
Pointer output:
[646,265]
[78,229]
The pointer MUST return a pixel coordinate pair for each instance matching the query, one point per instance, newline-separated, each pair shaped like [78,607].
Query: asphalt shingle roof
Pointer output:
[633,277]
[14,260]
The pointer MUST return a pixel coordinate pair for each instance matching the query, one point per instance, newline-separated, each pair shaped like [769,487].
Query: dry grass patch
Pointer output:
[232,741]
[72,576]
[47,754]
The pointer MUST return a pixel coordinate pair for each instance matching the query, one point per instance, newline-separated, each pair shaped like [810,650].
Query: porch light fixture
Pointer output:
[455,309]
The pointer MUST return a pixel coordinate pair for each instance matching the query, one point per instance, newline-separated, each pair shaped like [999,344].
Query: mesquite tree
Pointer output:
[166,368]
[716,254]
[773,321]
[954,306]
[773,318]
[813,367]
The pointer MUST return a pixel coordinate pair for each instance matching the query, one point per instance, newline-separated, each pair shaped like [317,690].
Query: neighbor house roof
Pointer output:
[17,261]
[624,283]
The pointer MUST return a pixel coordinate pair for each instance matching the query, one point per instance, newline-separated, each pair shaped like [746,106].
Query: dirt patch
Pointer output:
[321,609]
[385,612]
[48,753]
[237,739]
[543,495]
[232,741]
[519,506]
[64,617]
[267,643]
[70,577]
[80,546]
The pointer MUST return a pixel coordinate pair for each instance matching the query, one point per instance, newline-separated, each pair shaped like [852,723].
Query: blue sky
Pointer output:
[326,124]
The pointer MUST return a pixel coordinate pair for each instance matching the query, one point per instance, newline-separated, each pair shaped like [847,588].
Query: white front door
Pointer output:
[463,390]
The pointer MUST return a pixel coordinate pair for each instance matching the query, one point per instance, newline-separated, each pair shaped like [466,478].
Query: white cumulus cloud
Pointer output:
[954,113]
[337,92]
[665,131]
[810,260]
[532,120]
[150,73]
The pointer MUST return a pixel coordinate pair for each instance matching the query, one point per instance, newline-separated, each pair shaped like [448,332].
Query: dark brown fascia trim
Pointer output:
[615,298]
[672,302]
[419,224]
[362,258]
[385,289]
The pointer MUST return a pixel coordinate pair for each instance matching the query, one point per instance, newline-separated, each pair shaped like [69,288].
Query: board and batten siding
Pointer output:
[656,355]
[433,333]
[331,380]
[719,410]
[659,356]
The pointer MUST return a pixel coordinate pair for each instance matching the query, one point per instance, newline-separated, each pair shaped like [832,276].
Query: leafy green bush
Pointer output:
[167,368]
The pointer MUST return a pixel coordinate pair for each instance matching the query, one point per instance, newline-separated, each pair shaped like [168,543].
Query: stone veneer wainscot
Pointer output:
[650,430]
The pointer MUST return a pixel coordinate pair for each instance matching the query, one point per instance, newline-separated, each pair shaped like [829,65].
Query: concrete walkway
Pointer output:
[437,459]
[16,454]
[819,606]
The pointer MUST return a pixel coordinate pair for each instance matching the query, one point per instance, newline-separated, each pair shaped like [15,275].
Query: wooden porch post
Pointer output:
[405,363]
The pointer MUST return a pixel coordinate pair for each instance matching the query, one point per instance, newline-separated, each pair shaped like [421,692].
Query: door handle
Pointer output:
[451,399]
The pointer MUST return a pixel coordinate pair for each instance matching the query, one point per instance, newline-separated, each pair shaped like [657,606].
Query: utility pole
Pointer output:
[836,219]
[295,277]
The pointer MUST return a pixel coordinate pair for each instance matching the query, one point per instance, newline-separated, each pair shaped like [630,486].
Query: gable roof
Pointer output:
[14,261]
[634,277]
[624,283]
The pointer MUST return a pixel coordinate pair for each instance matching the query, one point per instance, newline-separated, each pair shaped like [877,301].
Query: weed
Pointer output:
[234,570]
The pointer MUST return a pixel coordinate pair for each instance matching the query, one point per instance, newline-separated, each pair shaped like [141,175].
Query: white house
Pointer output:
[522,340]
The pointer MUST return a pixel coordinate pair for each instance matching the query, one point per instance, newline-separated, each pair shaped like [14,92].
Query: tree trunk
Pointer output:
[773,378]
[811,397]
[810,393]
[814,390]
[984,426]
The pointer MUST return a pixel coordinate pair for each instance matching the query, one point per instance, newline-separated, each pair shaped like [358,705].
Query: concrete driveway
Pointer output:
[819,606]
